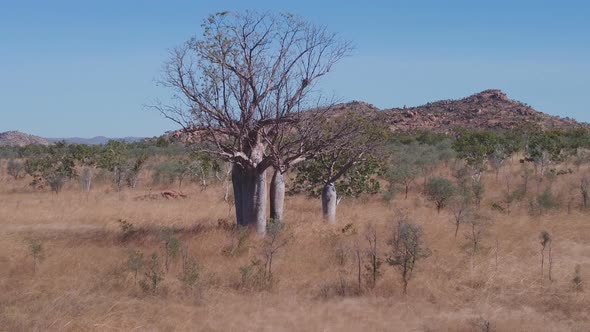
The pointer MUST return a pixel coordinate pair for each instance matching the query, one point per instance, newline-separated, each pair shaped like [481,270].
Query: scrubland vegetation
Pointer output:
[478,232]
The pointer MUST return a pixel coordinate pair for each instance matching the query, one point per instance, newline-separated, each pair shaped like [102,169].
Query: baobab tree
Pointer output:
[243,88]
[353,155]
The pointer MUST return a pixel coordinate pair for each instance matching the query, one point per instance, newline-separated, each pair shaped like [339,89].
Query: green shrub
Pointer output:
[153,275]
[547,201]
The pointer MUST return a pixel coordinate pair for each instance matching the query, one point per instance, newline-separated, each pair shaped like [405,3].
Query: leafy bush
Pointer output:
[171,246]
[544,201]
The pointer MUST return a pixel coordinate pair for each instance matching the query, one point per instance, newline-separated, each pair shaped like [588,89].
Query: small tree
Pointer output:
[477,229]
[478,190]
[86,179]
[359,262]
[374,265]
[439,190]
[461,208]
[478,225]
[135,263]
[497,159]
[401,174]
[113,158]
[276,239]
[545,240]
[577,280]
[15,168]
[407,247]
[36,250]
[171,246]
[132,174]
[190,269]
[153,275]
[584,190]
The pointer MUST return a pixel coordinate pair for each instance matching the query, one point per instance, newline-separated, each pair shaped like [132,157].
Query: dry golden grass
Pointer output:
[83,283]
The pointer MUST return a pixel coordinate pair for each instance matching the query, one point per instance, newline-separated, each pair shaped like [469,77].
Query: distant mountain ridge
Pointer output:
[97,140]
[17,138]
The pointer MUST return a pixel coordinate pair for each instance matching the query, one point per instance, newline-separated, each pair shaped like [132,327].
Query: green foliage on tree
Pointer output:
[359,179]
[401,174]
[546,148]
[352,164]
[153,274]
[475,147]
[439,190]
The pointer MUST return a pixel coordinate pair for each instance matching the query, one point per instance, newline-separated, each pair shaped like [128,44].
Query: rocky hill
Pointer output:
[16,138]
[486,110]
[489,109]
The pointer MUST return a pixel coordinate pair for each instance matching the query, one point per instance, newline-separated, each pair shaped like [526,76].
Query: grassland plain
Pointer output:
[81,280]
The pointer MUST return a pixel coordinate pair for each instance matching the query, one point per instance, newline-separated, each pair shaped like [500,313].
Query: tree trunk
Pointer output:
[259,202]
[238,178]
[277,196]
[250,198]
[329,202]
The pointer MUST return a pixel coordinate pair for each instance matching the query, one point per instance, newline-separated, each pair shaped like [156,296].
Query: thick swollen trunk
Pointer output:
[329,202]
[259,200]
[277,196]
[250,198]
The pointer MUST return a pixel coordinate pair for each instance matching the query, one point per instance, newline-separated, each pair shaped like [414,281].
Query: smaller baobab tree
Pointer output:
[349,165]
[242,89]
[407,248]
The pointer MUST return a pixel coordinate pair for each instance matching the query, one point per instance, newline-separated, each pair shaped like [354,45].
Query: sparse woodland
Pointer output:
[365,228]
[508,249]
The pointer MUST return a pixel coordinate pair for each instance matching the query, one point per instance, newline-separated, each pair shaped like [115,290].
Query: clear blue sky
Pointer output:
[86,68]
